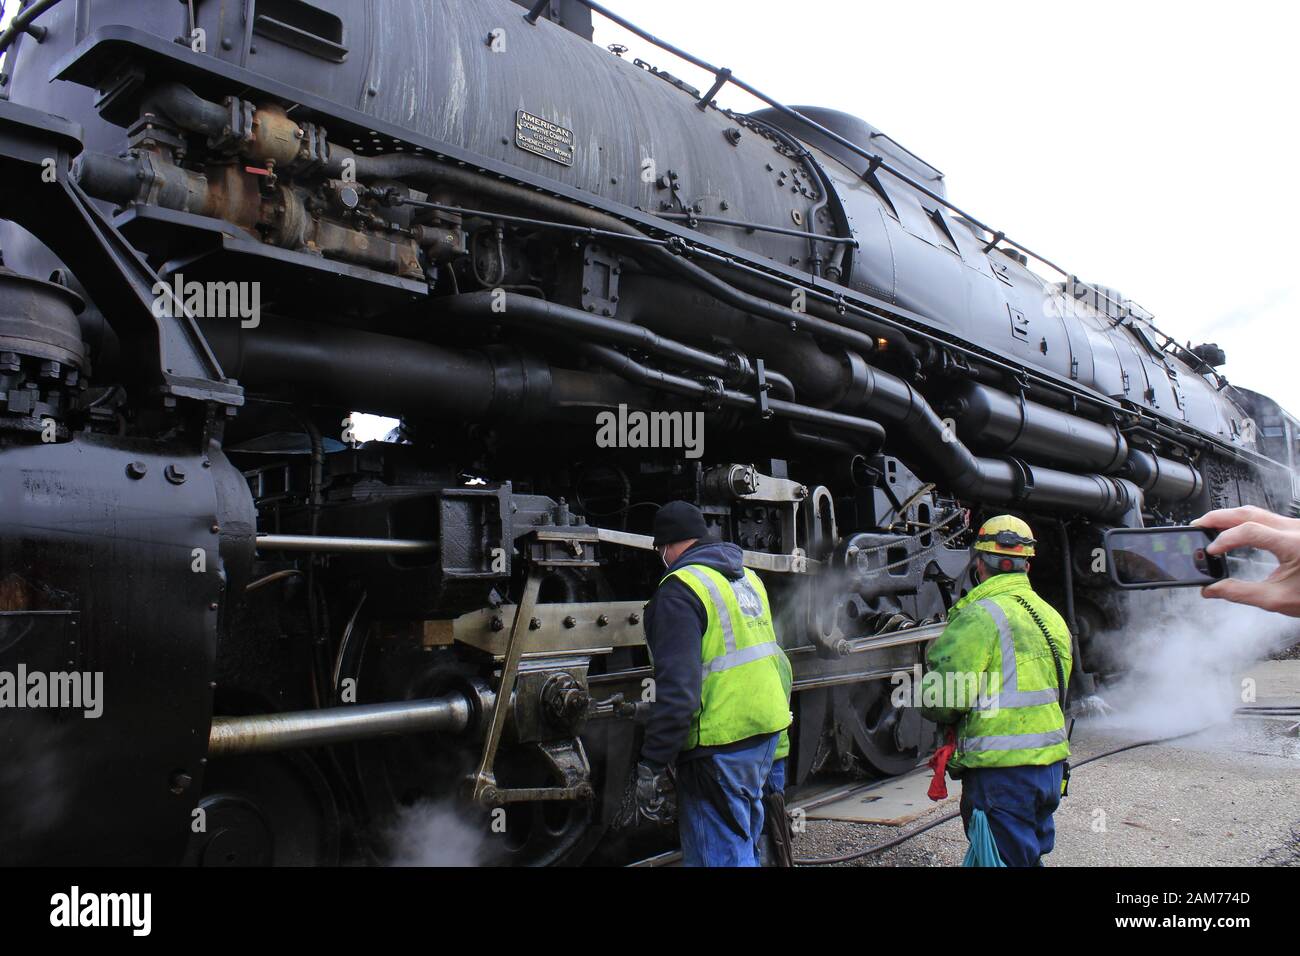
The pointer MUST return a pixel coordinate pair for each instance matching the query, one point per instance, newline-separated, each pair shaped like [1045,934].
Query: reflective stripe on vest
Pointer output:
[724,616]
[743,656]
[1014,741]
[1011,695]
[732,658]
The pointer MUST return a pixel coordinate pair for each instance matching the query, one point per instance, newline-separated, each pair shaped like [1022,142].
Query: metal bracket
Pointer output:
[763,386]
[573,771]
[485,783]
[600,272]
[719,81]
[539,8]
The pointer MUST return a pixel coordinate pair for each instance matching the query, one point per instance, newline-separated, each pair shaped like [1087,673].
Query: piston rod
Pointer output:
[261,733]
[313,542]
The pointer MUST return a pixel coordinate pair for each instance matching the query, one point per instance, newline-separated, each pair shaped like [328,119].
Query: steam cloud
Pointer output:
[1183,655]
[434,834]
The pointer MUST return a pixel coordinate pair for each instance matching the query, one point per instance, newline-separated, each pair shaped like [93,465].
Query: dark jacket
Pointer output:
[675,622]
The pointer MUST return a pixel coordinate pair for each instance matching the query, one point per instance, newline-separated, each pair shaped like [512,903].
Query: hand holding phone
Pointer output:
[1170,557]
[1252,527]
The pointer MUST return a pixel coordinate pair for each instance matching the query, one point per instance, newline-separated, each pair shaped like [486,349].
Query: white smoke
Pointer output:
[434,834]
[1184,655]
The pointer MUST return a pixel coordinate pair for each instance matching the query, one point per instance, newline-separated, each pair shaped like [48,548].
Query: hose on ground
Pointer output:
[890,844]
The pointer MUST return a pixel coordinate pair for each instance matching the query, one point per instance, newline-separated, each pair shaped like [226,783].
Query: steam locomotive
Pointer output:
[231,225]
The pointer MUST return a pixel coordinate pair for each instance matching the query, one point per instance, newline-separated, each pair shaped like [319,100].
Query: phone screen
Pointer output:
[1162,557]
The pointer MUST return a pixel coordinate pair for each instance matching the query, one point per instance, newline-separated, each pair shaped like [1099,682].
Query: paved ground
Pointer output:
[1227,796]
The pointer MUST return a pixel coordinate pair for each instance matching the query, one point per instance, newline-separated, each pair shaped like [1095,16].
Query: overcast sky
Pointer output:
[1147,146]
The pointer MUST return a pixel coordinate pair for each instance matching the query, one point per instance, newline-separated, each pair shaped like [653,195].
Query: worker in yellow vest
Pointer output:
[1001,667]
[720,694]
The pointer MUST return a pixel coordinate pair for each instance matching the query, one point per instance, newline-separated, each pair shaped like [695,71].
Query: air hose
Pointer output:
[890,844]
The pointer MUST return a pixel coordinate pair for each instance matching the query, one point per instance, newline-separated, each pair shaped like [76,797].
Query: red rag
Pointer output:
[939,764]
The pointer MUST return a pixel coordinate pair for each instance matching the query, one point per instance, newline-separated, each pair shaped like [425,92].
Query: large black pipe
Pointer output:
[1162,478]
[1005,481]
[992,419]
[381,373]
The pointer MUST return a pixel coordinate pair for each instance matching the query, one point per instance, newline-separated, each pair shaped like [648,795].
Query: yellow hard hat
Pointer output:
[1007,535]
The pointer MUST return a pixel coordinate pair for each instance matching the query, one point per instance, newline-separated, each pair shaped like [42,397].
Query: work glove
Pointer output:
[650,796]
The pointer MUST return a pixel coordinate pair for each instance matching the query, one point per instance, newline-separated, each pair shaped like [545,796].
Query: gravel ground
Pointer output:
[1291,653]
[1227,796]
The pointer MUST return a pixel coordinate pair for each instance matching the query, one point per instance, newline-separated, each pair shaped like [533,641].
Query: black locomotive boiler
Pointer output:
[232,224]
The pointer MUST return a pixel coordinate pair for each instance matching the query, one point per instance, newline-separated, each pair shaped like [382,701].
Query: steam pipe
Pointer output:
[516,308]
[642,374]
[674,308]
[178,103]
[262,733]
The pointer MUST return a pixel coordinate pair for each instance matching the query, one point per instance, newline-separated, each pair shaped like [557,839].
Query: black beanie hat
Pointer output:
[678,521]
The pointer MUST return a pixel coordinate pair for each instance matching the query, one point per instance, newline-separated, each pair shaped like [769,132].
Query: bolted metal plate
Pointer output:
[552,636]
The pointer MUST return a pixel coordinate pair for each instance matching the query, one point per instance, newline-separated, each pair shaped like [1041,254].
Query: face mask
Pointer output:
[663,554]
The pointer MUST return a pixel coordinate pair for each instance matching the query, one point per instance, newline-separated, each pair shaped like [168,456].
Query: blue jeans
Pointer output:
[720,805]
[1019,802]
[776,779]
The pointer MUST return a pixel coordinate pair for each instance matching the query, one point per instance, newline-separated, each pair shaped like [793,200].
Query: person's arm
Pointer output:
[674,632]
[1251,527]
[964,650]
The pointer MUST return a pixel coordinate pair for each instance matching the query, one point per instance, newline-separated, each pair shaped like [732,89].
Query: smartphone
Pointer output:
[1162,557]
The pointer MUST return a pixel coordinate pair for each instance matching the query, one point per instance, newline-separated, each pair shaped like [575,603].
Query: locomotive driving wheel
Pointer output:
[265,810]
[888,740]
